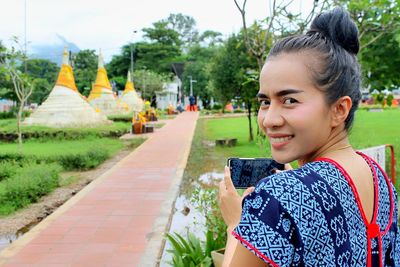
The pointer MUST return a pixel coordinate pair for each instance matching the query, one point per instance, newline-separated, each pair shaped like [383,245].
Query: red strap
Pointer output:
[373,230]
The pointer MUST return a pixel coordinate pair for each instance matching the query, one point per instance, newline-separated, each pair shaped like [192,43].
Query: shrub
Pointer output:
[8,169]
[7,115]
[42,133]
[29,184]
[238,110]
[217,106]
[188,253]
[83,161]
[122,118]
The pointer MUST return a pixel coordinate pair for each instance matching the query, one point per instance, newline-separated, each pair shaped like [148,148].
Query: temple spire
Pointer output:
[66,75]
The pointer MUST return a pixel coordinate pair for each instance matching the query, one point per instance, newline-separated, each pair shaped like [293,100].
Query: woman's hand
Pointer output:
[230,202]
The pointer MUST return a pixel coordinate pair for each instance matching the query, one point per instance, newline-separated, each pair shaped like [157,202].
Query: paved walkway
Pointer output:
[118,219]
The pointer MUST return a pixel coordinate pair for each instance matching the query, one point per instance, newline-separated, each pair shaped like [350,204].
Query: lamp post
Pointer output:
[191,85]
[134,31]
[25,57]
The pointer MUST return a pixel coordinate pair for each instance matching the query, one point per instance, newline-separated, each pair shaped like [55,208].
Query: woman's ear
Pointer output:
[340,110]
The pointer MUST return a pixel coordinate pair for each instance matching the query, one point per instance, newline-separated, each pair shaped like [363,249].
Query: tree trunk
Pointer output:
[260,63]
[19,116]
[251,137]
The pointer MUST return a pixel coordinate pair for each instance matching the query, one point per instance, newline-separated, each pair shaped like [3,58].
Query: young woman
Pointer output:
[339,208]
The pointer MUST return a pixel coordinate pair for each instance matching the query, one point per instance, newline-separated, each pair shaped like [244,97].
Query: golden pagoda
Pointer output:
[65,106]
[102,97]
[129,100]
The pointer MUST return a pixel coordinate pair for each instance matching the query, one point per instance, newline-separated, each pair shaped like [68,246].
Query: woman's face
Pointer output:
[293,112]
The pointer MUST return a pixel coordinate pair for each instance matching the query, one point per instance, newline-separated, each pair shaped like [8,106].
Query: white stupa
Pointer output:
[102,97]
[65,106]
[129,100]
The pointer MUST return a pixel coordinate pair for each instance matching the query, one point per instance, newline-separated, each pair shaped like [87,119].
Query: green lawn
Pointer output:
[370,129]
[28,174]
[62,147]
[116,129]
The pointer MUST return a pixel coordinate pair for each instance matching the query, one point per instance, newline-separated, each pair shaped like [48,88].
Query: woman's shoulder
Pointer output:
[308,172]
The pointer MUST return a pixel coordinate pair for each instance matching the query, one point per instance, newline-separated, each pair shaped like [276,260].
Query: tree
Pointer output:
[210,38]
[380,61]
[119,64]
[198,65]
[149,82]
[378,22]
[230,75]
[259,37]
[6,87]
[41,88]
[42,68]
[185,26]
[10,61]
[43,73]
[374,18]
[85,69]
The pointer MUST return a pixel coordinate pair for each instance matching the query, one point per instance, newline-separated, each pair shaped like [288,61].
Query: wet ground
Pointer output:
[187,217]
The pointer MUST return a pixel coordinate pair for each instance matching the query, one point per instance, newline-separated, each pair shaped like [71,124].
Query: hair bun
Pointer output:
[339,27]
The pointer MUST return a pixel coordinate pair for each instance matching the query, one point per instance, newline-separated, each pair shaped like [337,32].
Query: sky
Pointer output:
[109,24]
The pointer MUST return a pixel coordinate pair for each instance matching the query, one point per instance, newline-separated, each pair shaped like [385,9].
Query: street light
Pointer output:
[25,57]
[134,31]
[191,85]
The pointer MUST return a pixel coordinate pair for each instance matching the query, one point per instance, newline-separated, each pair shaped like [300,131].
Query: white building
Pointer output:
[6,105]
[170,94]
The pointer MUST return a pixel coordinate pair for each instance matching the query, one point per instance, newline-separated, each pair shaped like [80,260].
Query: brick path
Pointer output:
[119,218]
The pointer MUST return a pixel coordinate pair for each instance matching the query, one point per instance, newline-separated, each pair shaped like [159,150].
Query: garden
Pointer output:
[52,158]
[192,244]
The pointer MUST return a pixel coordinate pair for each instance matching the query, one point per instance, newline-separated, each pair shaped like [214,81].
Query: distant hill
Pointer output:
[52,49]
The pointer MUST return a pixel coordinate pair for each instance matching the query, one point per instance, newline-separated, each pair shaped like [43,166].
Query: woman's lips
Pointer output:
[278,141]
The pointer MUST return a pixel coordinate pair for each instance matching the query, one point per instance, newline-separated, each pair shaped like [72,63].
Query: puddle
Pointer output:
[6,240]
[187,218]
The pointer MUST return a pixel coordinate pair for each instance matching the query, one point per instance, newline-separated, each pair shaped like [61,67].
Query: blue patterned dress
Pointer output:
[312,216]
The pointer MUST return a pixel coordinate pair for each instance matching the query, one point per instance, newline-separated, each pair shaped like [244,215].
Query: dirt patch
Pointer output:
[26,218]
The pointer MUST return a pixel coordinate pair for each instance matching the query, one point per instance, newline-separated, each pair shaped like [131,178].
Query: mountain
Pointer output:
[52,49]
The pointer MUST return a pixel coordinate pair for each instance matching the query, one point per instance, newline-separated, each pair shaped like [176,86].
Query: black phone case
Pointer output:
[247,172]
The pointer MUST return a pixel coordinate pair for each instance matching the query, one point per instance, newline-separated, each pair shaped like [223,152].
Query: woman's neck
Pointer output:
[338,143]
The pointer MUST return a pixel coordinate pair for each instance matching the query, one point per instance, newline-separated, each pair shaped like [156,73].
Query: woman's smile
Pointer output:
[279,140]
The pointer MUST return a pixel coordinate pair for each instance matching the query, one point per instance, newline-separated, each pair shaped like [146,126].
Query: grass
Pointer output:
[54,148]
[28,175]
[81,154]
[116,129]
[370,129]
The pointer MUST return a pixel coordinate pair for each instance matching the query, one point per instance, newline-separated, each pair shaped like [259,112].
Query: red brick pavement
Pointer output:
[111,222]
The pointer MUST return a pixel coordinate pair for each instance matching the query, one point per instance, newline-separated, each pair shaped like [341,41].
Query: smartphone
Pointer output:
[246,172]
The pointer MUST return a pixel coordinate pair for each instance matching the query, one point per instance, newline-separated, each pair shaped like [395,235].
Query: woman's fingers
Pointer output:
[288,167]
[248,191]
[227,178]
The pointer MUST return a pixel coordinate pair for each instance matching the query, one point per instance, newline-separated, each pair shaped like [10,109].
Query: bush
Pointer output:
[13,113]
[188,253]
[217,106]
[70,154]
[8,169]
[121,118]
[83,161]
[8,131]
[7,115]
[29,184]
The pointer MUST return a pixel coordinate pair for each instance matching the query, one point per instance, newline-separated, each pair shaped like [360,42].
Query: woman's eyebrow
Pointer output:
[260,95]
[281,93]
[288,92]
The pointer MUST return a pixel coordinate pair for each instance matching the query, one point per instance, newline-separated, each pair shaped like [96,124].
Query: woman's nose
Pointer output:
[272,117]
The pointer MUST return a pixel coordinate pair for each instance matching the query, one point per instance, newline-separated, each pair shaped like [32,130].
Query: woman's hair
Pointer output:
[333,39]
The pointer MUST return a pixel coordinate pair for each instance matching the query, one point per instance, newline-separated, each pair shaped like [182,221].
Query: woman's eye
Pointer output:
[264,102]
[289,101]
